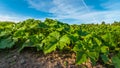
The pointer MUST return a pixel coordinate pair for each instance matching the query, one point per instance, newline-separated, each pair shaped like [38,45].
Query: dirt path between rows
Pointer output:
[29,58]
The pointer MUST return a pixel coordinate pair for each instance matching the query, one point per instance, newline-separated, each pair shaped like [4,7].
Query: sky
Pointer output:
[68,11]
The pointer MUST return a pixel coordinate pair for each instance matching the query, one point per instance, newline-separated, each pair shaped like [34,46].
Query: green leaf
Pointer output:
[81,57]
[98,40]
[116,61]
[50,48]
[27,43]
[42,25]
[64,41]
[39,46]
[7,43]
[78,46]
[74,37]
[55,35]
[104,49]
[51,42]
[93,56]
[105,58]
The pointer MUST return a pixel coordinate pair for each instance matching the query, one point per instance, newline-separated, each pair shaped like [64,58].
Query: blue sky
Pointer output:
[68,11]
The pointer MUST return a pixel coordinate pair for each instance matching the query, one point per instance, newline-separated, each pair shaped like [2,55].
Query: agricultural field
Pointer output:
[53,44]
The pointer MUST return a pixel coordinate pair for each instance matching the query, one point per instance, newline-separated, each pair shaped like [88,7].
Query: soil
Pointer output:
[29,58]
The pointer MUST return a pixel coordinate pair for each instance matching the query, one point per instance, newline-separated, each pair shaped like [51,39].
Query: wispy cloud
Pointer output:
[107,16]
[16,17]
[57,6]
[72,11]
[11,16]
[61,9]
[77,11]
[41,5]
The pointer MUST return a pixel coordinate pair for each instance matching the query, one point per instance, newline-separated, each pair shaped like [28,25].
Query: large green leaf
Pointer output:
[104,49]
[105,58]
[51,42]
[93,55]
[116,61]
[81,57]
[27,43]
[49,48]
[64,41]
[7,43]
[78,46]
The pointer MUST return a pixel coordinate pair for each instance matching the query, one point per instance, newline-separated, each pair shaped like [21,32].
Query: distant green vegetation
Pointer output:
[88,41]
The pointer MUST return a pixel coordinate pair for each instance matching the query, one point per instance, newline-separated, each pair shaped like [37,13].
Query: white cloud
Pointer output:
[10,17]
[16,17]
[57,6]
[107,16]
[62,9]
[41,5]
[72,11]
